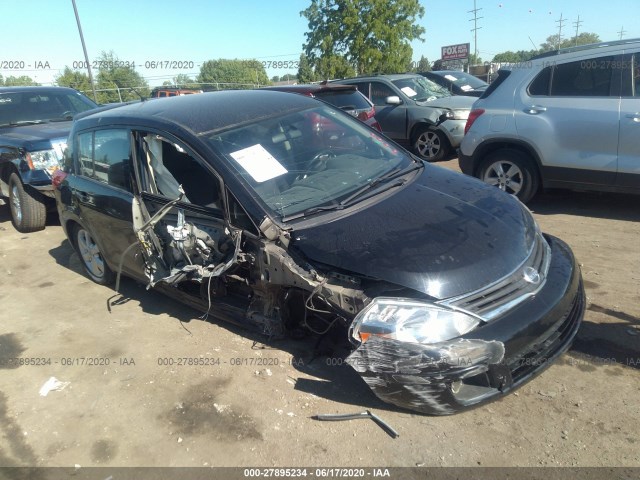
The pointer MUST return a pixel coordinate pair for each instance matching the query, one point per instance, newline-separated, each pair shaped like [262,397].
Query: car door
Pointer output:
[629,147]
[103,192]
[179,214]
[571,110]
[392,118]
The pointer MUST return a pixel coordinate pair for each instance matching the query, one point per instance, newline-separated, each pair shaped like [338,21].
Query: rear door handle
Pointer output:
[535,109]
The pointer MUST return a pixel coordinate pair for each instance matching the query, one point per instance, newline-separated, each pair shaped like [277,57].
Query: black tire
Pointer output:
[91,257]
[512,171]
[430,144]
[28,207]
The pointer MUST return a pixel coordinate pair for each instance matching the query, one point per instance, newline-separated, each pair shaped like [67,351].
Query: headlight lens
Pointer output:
[461,114]
[410,321]
[45,159]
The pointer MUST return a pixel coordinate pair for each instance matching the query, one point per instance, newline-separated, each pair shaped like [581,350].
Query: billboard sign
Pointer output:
[455,52]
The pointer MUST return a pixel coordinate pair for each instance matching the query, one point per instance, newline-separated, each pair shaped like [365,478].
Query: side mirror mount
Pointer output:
[393,100]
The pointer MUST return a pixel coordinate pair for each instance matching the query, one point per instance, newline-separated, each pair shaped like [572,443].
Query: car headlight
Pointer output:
[411,321]
[44,160]
[461,114]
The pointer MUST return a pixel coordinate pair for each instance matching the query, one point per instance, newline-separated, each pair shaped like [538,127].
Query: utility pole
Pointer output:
[560,25]
[622,32]
[84,48]
[577,23]
[475,28]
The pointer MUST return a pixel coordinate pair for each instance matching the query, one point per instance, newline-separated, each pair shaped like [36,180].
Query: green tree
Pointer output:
[1,80]
[275,79]
[288,78]
[369,36]
[306,73]
[117,82]
[230,74]
[74,79]
[514,57]
[584,38]
[183,80]
[21,81]
[474,59]
[423,65]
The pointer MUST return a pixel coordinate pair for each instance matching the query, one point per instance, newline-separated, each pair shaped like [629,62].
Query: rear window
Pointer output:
[346,100]
[502,76]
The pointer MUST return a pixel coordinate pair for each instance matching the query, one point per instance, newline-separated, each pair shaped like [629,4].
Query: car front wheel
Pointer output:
[430,144]
[92,259]
[28,209]
[511,171]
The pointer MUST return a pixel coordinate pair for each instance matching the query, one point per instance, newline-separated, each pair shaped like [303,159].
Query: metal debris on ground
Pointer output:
[353,416]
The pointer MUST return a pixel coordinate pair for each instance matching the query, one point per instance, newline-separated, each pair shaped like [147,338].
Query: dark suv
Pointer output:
[34,124]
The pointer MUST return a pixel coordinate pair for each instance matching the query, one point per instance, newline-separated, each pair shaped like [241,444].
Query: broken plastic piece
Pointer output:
[52,384]
[353,416]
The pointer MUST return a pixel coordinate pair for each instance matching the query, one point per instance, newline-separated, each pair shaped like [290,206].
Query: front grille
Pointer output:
[555,341]
[506,293]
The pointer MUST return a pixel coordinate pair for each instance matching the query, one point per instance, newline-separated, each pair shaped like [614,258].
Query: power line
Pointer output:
[560,25]
[622,32]
[577,23]
[475,28]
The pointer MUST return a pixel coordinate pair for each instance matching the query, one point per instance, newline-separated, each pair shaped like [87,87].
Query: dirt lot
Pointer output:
[252,403]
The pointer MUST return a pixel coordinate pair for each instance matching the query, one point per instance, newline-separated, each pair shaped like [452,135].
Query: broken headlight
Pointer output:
[410,321]
[48,160]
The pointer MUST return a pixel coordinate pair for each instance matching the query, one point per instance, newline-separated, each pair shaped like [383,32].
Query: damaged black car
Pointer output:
[284,214]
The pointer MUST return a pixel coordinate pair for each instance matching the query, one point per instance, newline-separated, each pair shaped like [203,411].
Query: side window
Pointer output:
[105,155]
[540,85]
[583,78]
[379,93]
[169,165]
[363,88]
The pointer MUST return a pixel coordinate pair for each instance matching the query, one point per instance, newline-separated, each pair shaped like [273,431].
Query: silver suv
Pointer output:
[566,119]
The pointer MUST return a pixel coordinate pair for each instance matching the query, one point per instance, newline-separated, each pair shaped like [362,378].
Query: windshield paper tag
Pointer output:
[259,163]
[409,92]
[451,78]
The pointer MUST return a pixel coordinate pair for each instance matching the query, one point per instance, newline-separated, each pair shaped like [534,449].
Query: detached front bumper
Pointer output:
[451,376]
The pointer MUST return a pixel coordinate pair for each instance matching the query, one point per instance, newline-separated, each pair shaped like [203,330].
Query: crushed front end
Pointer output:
[445,377]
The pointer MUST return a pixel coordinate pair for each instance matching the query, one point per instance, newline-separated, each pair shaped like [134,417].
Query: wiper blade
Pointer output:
[395,173]
[312,211]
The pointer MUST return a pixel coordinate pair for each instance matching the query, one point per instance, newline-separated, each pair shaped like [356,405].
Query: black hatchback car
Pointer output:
[239,203]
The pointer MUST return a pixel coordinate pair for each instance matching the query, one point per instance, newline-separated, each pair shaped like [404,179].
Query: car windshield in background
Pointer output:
[17,108]
[420,89]
[308,159]
[465,81]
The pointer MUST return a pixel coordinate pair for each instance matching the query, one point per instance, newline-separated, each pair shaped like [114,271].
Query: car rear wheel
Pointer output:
[512,172]
[430,144]
[91,258]
[28,209]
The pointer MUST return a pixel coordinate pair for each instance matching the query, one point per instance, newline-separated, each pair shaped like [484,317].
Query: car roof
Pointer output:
[203,113]
[611,45]
[35,88]
[312,88]
[390,77]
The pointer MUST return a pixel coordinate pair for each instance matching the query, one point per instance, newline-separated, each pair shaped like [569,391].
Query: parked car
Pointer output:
[34,125]
[161,92]
[345,97]
[408,108]
[458,83]
[567,119]
[236,203]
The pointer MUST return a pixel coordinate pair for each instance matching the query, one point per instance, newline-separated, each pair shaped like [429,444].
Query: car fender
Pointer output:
[484,148]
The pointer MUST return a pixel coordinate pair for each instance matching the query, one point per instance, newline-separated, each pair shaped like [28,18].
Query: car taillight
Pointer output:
[366,114]
[473,115]
[58,177]
[377,126]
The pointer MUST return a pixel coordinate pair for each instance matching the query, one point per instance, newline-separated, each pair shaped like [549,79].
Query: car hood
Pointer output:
[453,102]
[34,137]
[443,234]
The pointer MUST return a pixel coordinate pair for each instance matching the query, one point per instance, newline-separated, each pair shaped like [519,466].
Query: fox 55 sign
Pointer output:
[455,52]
